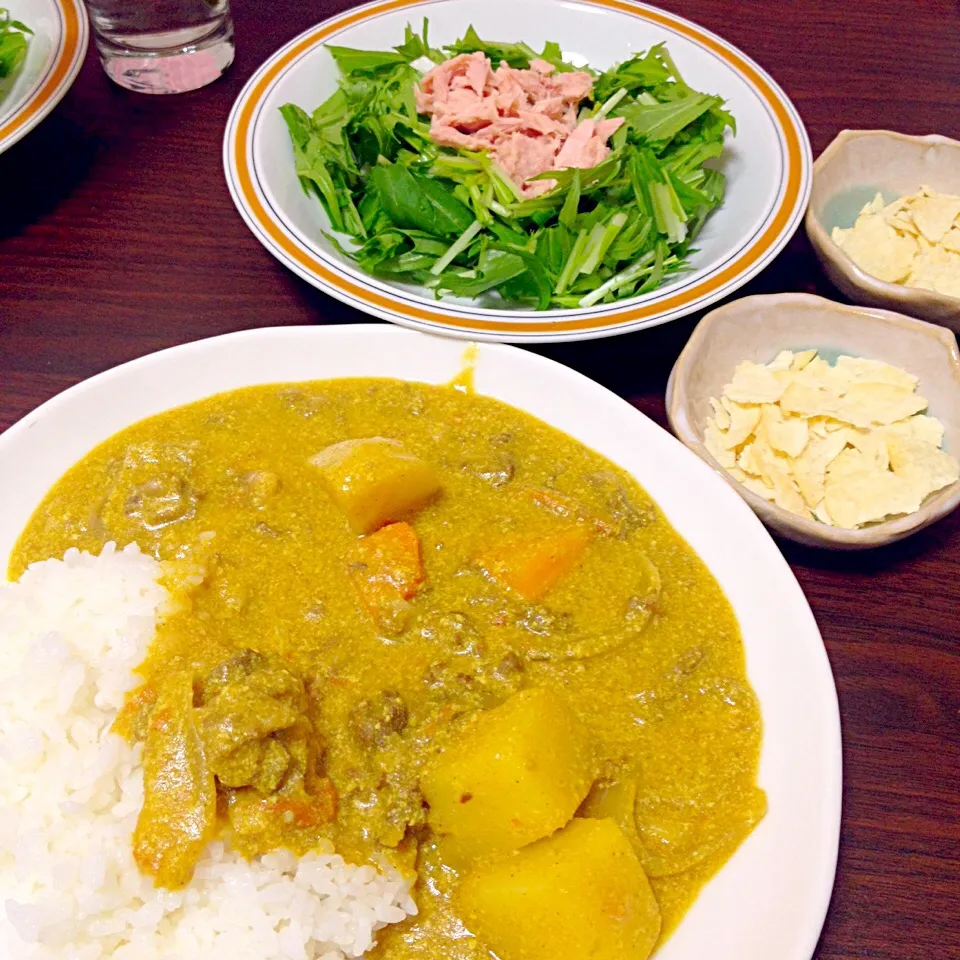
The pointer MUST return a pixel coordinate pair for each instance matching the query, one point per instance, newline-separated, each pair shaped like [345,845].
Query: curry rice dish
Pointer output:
[429,629]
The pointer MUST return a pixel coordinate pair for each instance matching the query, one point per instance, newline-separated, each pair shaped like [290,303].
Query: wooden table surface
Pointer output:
[118,237]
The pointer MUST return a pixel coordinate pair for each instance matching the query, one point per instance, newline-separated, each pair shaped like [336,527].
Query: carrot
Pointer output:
[131,721]
[532,565]
[315,810]
[386,567]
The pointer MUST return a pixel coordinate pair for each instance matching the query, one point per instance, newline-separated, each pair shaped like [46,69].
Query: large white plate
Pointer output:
[54,57]
[767,164]
[769,901]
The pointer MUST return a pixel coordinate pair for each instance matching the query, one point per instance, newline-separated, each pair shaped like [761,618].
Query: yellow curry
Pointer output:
[429,627]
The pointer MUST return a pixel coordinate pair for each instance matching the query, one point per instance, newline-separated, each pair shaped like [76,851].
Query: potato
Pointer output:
[514,775]
[375,481]
[580,893]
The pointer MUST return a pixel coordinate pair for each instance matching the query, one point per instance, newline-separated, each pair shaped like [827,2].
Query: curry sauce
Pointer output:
[616,615]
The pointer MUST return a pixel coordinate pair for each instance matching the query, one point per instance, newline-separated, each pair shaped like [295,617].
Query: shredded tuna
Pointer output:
[587,145]
[525,119]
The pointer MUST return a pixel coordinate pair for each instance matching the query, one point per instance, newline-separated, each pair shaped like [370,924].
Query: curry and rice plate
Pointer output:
[382,669]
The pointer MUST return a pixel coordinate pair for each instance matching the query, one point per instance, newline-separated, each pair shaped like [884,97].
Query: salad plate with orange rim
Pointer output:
[518,172]
[42,45]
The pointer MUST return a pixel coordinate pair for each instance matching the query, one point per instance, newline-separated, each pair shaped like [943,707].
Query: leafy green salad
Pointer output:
[13,48]
[450,218]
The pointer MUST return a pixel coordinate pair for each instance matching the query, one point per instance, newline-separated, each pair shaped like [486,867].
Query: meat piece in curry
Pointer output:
[424,625]
[179,813]
[243,734]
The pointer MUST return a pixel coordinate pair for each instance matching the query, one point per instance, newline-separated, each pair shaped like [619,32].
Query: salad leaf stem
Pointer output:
[457,247]
[610,103]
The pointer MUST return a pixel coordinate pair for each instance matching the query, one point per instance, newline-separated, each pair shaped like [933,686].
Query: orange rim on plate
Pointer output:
[56,78]
[614,318]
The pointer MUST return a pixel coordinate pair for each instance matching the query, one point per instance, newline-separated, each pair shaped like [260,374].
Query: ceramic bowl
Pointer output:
[757,328]
[847,175]
[768,902]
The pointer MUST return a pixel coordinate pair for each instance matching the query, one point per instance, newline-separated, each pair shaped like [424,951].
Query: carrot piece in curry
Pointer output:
[387,570]
[312,810]
[533,564]
[131,722]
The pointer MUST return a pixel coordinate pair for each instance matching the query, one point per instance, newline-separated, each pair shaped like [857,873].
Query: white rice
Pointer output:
[71,633]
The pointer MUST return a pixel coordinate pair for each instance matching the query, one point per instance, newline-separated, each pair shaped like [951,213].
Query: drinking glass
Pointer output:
[163,46]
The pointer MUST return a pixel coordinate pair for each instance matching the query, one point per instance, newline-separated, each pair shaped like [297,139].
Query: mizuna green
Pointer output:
[13,48]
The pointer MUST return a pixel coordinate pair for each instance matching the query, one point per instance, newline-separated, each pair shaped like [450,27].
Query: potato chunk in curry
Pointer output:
[580,893]
[514,775]
[375,481]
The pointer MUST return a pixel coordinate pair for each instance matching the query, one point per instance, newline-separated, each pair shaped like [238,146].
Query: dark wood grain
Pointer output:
[118,237]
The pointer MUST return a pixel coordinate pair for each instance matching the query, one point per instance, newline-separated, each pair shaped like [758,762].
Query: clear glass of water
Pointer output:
[163,46]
